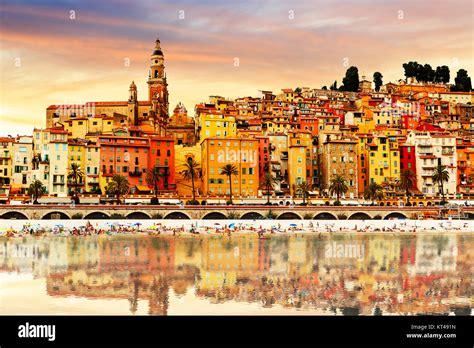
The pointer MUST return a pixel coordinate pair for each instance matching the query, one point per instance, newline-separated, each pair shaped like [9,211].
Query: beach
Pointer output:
[263,228]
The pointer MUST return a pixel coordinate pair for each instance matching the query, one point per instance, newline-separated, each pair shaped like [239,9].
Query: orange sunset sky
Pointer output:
[48,58]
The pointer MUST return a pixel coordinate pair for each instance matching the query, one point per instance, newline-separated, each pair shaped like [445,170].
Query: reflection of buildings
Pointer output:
[435,253]
[31,255]
[395,274]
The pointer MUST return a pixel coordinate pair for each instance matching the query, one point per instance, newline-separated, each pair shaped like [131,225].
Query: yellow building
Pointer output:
[86,155]
[383,159]
[76,152]
[216,124]
[90,127]
[182,155]
[6,160]
[296,167]
[241,152]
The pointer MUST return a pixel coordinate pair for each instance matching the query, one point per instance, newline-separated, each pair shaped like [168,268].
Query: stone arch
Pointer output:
[54,214]
[360,216]
[96,215]
[16,215]
[177,215]
[325,216]
[215,215]
[252,215]
[395,215]
[138,215]
[289,216]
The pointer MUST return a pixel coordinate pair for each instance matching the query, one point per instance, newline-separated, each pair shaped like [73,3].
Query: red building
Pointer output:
[408,159]
[310,123]
[132,156]
[409,122]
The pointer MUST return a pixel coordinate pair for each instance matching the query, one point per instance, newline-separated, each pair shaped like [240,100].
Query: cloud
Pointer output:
[83,59]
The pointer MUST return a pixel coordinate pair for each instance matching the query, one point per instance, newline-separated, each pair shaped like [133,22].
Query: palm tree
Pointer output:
[153,177]
[36,190]
[267,183]
[338,186]
[407,181]
[76,174]
[303,188]
[373,192]
[191,171]
[118,186]
[440,175]
[229,170]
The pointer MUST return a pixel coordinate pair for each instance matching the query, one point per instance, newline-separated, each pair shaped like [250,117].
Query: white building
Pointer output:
[432,149]
[22,162]
[51,151]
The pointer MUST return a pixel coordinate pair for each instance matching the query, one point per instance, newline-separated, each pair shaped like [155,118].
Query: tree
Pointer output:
[440,175]
[378,80]
[462,82]
[411,69]
[76,174]
[429,73]
[298,90]
[229,170]
[407,181]
[333,87]
[303,189]
[153,178]
[191,171]
[36,190]
[351,80]
[118,186]
[325,88]
[442,74]
[420,73]
[373,192]
[338,186]
[267,183]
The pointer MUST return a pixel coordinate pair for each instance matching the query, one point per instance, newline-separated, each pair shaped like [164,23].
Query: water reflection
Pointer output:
[346,274]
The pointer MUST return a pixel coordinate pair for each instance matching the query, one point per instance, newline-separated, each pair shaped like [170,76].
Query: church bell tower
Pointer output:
[158,87]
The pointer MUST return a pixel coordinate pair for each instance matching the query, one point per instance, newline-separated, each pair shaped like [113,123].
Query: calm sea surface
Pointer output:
[326,274]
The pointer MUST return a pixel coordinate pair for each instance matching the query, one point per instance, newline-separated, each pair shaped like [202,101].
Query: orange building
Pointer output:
[132,156]
[465,163]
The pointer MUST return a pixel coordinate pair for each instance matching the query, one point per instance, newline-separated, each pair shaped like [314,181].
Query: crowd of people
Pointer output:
[228,229]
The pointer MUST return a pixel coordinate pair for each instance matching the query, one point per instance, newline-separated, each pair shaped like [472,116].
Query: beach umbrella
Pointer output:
[293,225]
[232,225]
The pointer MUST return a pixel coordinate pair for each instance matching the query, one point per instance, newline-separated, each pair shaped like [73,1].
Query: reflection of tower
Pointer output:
[133,299]
[158,302]
[158,90]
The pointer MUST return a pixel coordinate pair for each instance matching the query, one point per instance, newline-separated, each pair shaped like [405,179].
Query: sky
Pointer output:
[67,52]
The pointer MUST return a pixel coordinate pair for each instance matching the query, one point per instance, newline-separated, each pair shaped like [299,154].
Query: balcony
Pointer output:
[135,173]
[447,153]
